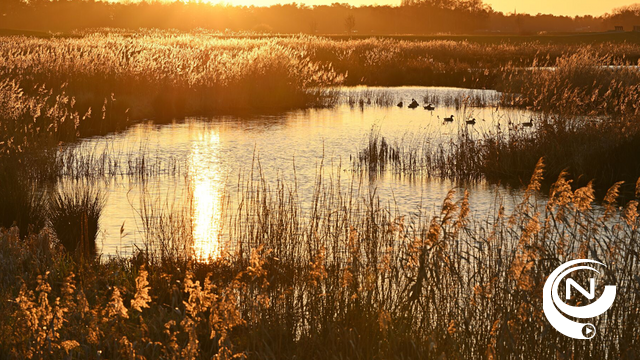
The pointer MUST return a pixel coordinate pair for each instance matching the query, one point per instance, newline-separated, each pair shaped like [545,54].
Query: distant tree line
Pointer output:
[410,17]
[627,17]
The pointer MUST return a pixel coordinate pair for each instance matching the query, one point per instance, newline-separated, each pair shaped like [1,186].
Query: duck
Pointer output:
[414,104]
[400,104]
[449,119]
[471,121]
[429,107]
[528,124]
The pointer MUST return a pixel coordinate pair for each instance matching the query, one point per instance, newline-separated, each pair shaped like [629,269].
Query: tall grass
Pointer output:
[167,224]
[349,278]
[588,122]
[30,126]
[20,203]
[166,74]
[582,83]
[423,154]
[585,121]
[101,160]
[593,151]
[74,212]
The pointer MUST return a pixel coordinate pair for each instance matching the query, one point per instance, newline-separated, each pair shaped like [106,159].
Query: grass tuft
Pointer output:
[74,214]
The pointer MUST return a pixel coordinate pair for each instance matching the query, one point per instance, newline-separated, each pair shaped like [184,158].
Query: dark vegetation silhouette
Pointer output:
[626,16]
[410,17]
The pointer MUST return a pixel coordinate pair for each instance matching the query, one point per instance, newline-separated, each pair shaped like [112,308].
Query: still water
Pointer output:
[198,162]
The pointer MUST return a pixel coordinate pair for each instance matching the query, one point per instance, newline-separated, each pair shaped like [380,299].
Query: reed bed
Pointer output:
[30,127]
[585,121]
[423,155]
[367,97]
[458,101]
[349,278]
[387,62]
[584,83]
[588,122]
[595,151]
[38,134]
[103,161]
[166,74]
[362,98]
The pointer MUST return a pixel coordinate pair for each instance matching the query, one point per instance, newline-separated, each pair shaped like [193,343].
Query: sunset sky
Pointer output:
[557,7]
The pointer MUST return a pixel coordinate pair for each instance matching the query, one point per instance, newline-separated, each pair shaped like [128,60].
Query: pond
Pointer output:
[201,162]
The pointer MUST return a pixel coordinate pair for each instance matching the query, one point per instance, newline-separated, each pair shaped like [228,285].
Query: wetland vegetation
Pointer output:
[313,263]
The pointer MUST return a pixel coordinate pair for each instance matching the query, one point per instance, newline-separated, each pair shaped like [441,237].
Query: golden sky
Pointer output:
[557,7]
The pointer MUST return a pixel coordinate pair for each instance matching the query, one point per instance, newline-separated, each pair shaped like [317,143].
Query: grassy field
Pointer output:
[574,38]
[171,74]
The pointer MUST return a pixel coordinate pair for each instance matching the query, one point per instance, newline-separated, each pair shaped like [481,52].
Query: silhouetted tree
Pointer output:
[350,23]
[626,16]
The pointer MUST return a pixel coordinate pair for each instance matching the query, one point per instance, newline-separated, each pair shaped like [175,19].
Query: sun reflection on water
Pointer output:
[206,181]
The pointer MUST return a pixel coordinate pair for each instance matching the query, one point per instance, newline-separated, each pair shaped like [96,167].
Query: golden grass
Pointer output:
[352,280]
[582,83]
[167,74]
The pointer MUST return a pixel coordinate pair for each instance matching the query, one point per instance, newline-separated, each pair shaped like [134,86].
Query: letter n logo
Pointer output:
[588,294]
